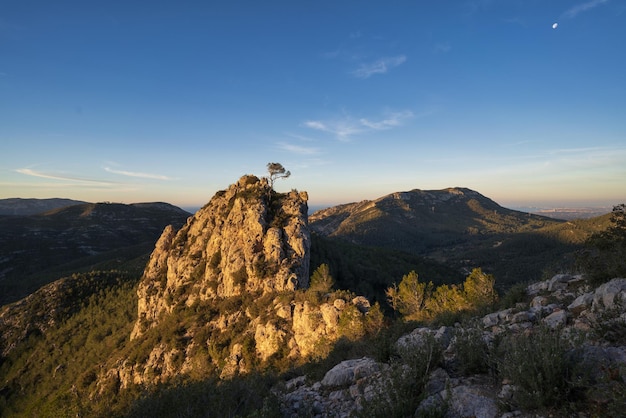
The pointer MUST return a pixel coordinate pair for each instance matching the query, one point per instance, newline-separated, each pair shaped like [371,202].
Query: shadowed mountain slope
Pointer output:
[421,220]
[23,207]
[456,226]
[37,249]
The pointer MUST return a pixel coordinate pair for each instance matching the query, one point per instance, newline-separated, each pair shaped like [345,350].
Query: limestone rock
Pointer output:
[362,304]
[559,281]
[538,302]
[420,337]
[536,288]
[556,319]
[345,389]
[349,371]
[472,400]
[581,303]
[611,295]
[239,242]
[269,339]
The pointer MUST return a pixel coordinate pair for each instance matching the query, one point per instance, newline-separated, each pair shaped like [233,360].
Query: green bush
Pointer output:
[537,365]
[52,373]
[421,301]
[403,389]
[244,396]
[514,295]
[321,280]
[473,354]
[605,255]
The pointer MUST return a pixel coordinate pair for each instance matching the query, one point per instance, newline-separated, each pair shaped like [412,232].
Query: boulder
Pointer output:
[349,371]
[556,319]
[490,320]
[581,303]
[611,295]
[601,362]
[361,303]
[419,337]
[471,399]
[536,288]
[538,301]
[559,281]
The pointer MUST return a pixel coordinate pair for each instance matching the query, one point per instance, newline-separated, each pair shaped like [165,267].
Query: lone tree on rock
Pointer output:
[277,171]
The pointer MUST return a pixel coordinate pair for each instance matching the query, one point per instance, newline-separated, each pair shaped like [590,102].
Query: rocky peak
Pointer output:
[248,238]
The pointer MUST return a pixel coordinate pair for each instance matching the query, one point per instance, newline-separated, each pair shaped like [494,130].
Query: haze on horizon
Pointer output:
[155,101]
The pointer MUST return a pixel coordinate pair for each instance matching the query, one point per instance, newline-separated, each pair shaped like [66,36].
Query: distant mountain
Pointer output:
[37,249]
[439,218]
[456,226]
[25,207]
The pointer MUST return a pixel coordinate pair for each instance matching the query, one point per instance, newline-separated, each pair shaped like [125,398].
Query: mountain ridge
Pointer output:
[34,248]
[420,220]
[456,226]
[17,206]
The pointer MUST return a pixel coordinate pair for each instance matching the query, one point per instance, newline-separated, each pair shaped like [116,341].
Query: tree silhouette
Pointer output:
[277,171]
[604,257]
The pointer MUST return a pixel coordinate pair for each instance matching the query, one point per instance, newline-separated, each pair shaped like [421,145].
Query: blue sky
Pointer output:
[132,101]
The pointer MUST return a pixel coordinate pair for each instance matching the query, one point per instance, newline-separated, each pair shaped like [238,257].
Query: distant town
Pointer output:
[568,213]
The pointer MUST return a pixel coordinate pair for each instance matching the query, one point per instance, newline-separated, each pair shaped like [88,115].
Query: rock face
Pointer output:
[221,296]
[246,239]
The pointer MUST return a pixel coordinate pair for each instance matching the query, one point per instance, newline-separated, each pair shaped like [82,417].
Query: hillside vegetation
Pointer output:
[25,207]
[462,229]
[38,249]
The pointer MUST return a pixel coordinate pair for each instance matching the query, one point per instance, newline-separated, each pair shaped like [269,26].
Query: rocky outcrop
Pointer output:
[342,392]
[226,293]
[566,305]
[247,239]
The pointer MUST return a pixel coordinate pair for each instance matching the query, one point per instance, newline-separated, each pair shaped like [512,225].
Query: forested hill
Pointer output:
[456,226]
[38,249]
[24,207]
[437,217]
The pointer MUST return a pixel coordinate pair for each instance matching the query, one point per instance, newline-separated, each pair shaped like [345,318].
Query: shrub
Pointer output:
[537,364]
[479,290]
[410,296]
[421,301]
[351,323]
[240,397]
[321,280]
[605,255]
[514,295]
[472,352]
[405,382]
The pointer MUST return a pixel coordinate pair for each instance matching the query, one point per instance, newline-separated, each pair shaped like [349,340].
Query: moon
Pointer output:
[555,25]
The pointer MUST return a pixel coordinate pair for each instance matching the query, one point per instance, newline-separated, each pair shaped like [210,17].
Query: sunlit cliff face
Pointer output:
[246,239]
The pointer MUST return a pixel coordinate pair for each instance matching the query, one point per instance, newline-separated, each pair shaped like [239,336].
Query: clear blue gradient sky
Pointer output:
[132,101]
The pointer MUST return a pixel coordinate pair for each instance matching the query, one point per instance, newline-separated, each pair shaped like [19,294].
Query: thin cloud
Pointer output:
[298,149]
[347,127]
[442,47]
[380,66]
[33,173]
[393,120]
[583,7]
[136,174]
[316,124]
[342,129]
